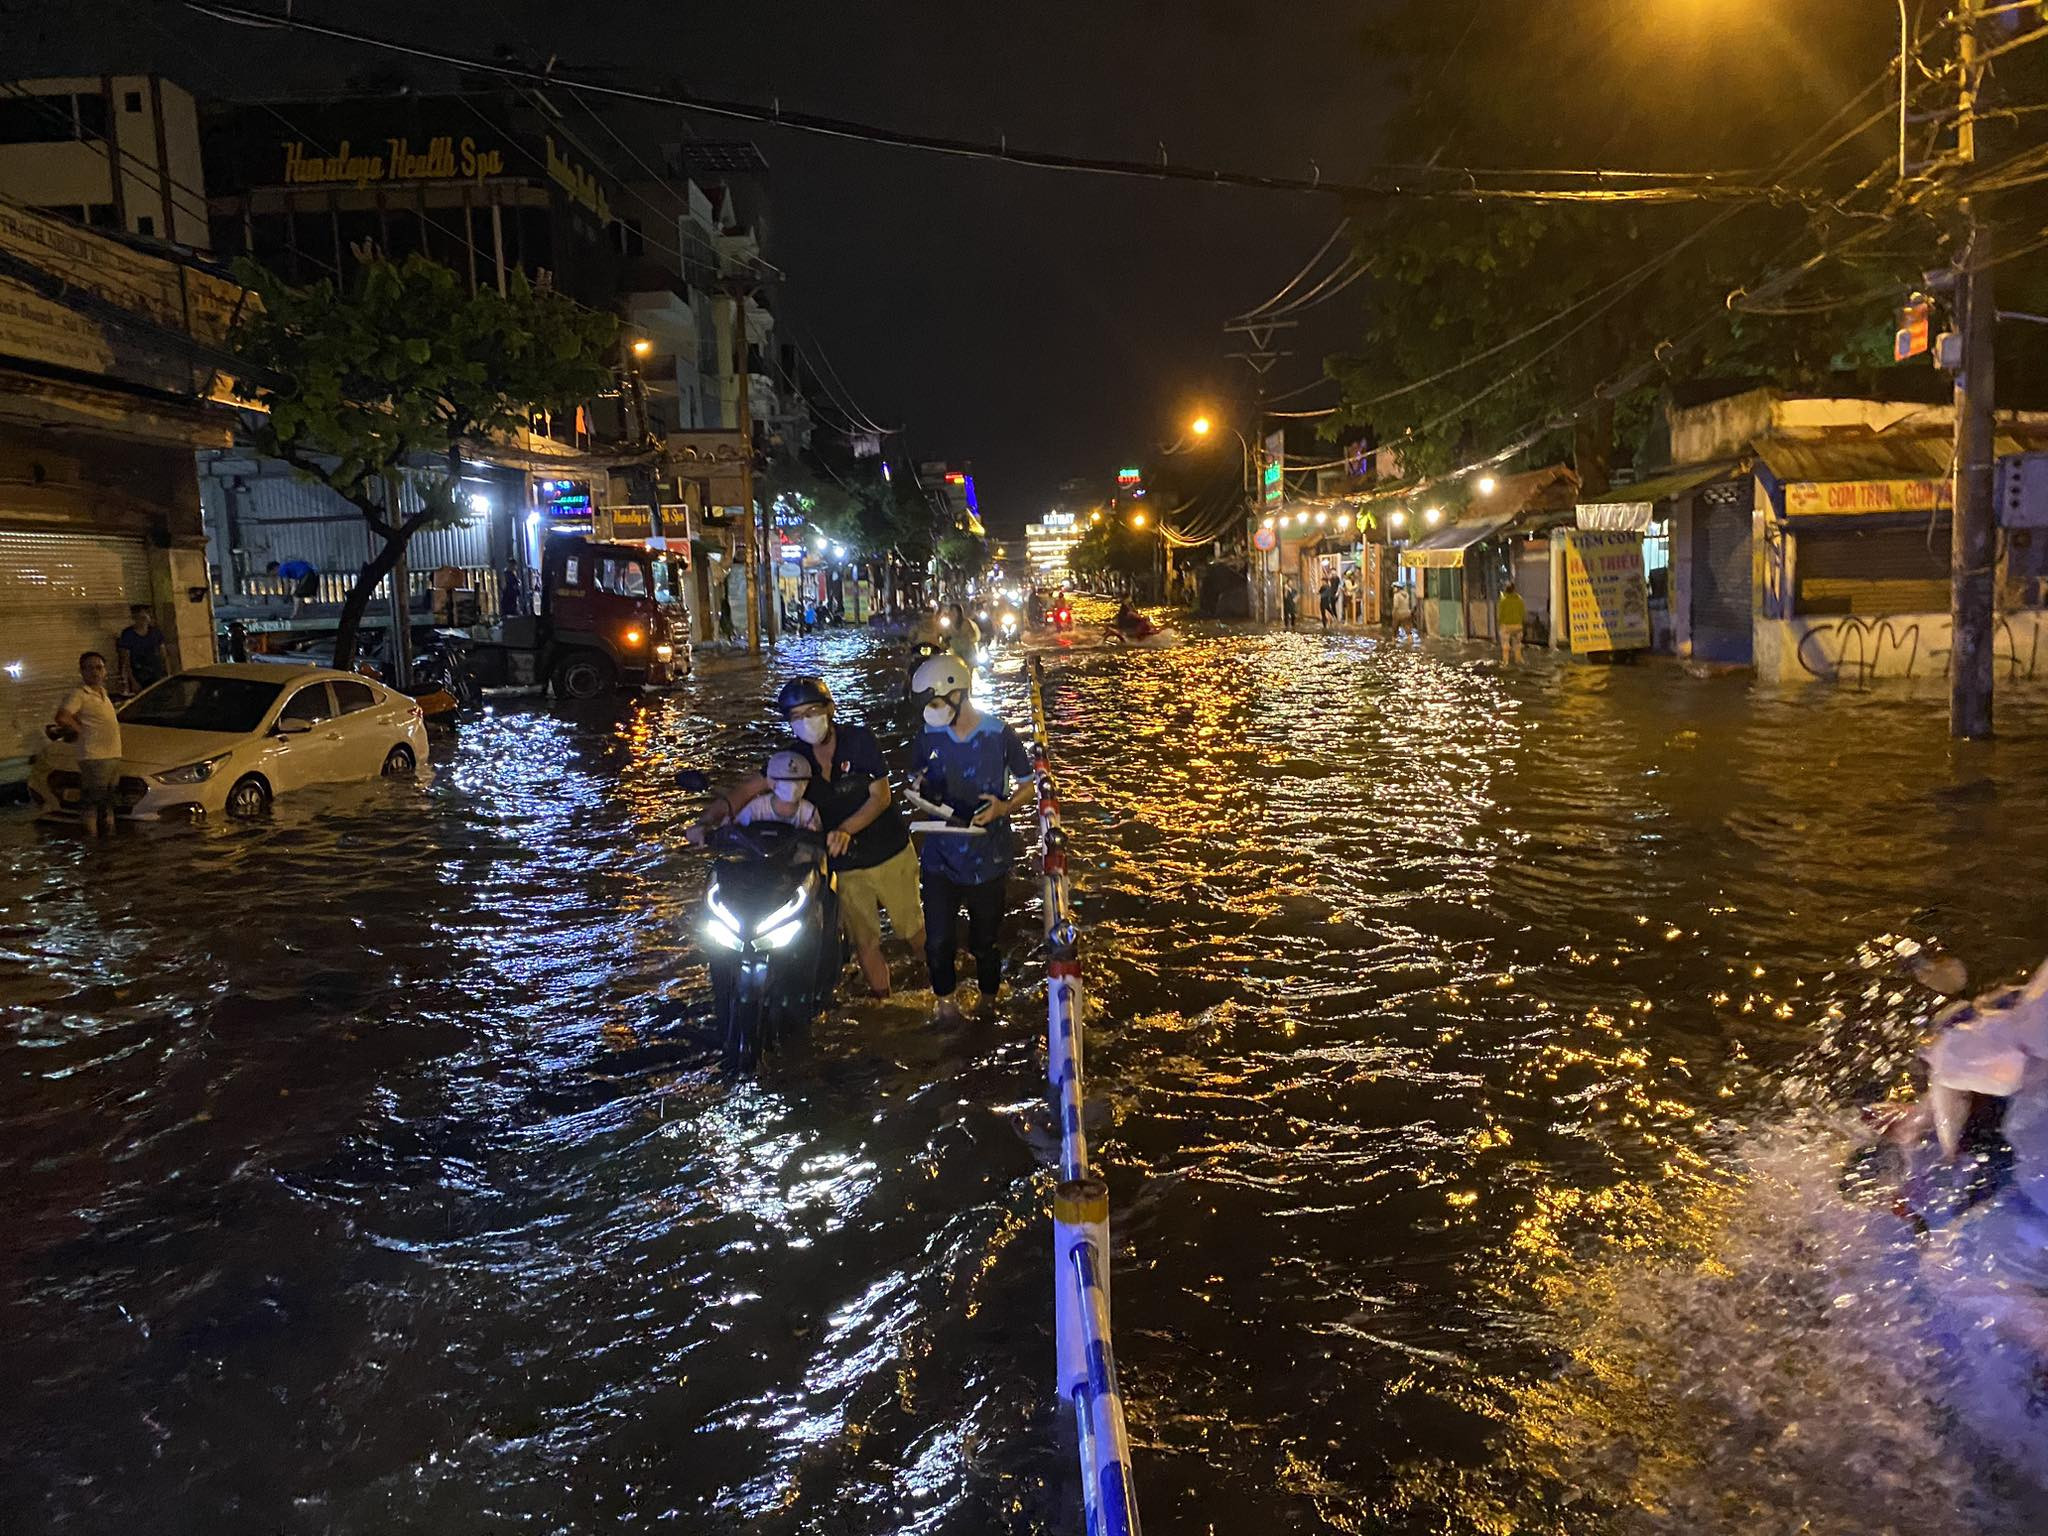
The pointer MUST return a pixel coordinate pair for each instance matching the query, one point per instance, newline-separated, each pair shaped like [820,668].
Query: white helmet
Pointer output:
[938,677]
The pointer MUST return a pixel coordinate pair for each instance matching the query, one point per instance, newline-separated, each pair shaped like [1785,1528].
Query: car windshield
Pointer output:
[190,703]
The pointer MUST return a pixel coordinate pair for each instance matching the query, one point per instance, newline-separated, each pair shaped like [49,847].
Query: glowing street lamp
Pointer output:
[1137,520]
[1200,426]
[1095,517]
[1432,515]
[1488,485]
[642,347]
[1343,521]
[1398,518]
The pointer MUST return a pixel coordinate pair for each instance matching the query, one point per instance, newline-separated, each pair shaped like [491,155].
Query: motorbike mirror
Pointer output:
[695,780]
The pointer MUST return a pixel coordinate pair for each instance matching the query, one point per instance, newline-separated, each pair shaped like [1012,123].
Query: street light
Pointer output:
[1200,426]
[1488,485]
[1095,517]
[1432,515]
[1137,520]
[1343,521]
[1398,518]
[642,347]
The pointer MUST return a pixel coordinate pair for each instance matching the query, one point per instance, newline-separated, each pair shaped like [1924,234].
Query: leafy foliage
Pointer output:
[405,365]
[1610,286]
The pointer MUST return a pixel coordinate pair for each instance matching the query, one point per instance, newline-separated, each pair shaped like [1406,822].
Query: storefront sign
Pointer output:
[177,299]
[562,498]
[1273,475]
[1606,597]
[1852,498]
[631,521]
[579,183]
[445,158]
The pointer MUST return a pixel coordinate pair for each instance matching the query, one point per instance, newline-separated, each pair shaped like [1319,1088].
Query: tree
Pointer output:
[1113,547]
[405,365]
[1568,298]
[964,555]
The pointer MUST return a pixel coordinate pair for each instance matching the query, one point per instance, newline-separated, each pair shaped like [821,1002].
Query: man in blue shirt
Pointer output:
[979,769]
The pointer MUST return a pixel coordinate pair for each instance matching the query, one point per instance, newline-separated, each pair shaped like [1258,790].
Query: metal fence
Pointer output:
[1084,1355]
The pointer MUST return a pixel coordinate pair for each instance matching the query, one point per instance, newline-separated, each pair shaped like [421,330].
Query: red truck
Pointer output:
[600,626]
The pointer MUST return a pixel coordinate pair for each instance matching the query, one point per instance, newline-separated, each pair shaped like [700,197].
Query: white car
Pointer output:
[230,738]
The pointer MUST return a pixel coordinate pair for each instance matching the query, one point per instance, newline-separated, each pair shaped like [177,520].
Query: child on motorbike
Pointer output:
[789,776]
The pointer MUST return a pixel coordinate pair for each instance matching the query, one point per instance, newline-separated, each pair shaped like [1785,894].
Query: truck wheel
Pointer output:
[583,675]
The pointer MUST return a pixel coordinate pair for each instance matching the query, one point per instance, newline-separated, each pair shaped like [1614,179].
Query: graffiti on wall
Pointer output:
[1859,648]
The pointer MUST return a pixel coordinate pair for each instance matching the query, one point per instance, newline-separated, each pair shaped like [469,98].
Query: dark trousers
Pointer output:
[943,899]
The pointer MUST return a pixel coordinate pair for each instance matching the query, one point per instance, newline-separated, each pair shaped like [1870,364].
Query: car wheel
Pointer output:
[249,797]
[583,675]
[398,762]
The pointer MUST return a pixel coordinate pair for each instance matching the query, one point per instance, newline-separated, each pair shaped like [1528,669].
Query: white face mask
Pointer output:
[812,729]
[939,714]
[786,792]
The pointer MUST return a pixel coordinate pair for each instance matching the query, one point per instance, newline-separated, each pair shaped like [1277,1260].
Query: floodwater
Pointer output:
[1472,1051]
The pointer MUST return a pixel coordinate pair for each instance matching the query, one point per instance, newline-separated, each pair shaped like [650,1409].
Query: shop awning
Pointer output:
[1631,508]
[1446,546]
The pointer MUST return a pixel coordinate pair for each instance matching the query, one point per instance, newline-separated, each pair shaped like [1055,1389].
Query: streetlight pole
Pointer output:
[1973,536]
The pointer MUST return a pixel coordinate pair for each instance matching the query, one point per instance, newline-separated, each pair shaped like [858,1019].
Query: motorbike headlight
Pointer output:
[192,773]
[664,652]
[1009,623]
[776,938]
[723,934]
[720,911]
[783,917]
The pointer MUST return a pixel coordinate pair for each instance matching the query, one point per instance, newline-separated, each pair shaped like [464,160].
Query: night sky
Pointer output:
[1041,324]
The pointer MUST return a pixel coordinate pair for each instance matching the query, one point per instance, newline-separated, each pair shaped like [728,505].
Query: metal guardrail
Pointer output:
[1083,1353]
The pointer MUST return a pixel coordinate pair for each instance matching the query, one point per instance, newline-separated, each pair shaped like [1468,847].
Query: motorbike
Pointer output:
[771,926]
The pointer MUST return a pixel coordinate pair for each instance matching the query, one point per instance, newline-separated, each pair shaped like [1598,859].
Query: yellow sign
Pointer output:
[581,186]
[1853,498]
[1606,598]
[442,159]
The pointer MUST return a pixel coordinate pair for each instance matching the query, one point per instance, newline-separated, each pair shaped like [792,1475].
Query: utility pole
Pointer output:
[754,541]
[1973,533]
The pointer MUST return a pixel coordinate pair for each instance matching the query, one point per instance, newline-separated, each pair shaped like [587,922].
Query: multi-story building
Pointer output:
[111,152]
[1048,544]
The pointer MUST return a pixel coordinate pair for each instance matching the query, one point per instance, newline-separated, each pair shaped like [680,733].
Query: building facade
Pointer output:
[110,152]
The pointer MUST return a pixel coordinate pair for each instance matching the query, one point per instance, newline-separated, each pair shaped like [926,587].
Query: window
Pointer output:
[92,116]
[102,216]
[37,120]
[145,224]
[621,577]
[572,571]
[309,704]
[188,703]
[352,696]
[132,102]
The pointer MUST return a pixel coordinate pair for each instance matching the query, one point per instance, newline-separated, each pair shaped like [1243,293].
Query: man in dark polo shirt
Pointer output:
[864,831]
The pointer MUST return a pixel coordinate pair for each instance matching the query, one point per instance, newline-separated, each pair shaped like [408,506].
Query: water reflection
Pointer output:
[361,1171]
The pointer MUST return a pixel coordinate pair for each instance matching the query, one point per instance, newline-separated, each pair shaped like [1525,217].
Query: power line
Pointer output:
[1307,267]
[1460,184]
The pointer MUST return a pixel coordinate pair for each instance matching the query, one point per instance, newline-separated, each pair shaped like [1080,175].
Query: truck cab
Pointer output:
[600,625]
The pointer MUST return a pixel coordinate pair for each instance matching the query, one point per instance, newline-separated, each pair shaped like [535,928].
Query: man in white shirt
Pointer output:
[87,717]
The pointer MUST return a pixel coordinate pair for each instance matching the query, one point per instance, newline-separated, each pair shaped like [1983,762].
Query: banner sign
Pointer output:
[1606,597]
[1273,482]
[1852,498]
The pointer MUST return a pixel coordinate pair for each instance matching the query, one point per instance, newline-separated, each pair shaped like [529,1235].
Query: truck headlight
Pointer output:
[192,773]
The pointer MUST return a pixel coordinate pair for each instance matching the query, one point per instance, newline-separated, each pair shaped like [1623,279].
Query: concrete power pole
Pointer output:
[754,542]
[1973,542]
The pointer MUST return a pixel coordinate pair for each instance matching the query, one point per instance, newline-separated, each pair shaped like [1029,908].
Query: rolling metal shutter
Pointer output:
[1721,574]
[60,593]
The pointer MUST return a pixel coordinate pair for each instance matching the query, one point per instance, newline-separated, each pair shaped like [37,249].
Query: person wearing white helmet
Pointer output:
[979,768]
[789,780]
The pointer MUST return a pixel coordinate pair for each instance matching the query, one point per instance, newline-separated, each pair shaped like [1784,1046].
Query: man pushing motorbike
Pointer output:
[865,833]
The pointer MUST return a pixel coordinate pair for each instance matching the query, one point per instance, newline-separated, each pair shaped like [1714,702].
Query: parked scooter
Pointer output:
[771,926]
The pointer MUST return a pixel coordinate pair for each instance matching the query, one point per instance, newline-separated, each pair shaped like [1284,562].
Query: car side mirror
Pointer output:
[292,727]
[695,780]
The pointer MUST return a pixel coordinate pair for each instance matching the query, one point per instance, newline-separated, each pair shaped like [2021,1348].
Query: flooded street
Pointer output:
[1472,1049]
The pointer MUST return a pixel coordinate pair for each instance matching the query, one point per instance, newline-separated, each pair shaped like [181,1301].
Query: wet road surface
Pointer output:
[1471,1048]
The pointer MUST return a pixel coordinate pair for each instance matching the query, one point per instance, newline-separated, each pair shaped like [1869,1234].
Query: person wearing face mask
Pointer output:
[789,778]
[864,830]
[978,767]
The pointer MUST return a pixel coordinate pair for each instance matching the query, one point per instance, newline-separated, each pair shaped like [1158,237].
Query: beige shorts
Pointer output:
[892,886]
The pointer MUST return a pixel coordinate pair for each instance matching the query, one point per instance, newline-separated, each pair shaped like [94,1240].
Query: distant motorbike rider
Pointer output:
[865,832]
[1133,625]
[978,767]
